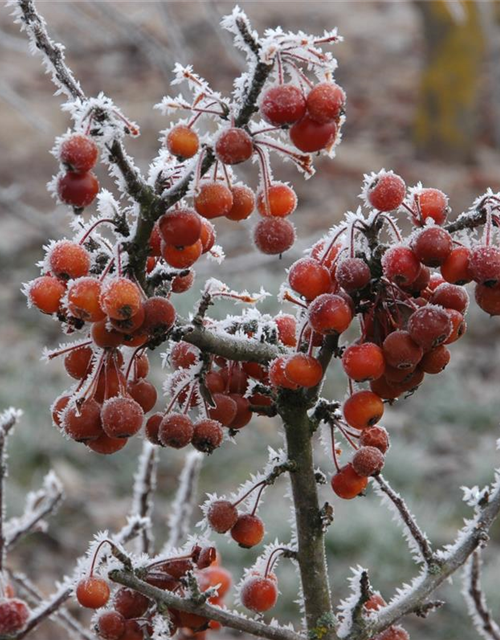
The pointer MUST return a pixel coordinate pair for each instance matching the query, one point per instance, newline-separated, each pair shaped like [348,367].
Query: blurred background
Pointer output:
[423,86]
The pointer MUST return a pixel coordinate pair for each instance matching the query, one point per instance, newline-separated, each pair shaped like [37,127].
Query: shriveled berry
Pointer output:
[375,437]
[367,461]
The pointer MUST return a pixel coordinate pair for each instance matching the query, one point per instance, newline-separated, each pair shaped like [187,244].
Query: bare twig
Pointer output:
[476,601]
[144,486]
[8,419]
[415,531]
[185,500]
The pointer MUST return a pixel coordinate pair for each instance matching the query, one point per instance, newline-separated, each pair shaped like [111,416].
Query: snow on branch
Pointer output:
[476,600]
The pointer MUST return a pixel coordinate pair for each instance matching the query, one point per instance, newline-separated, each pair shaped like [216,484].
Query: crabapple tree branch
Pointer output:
[225,617]
[476,601]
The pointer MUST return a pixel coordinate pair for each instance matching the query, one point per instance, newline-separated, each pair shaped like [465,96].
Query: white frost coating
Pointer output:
[396,516]
[473,495]
[144,487]
[38,504]
[9,417]
[471,604]
[346,607]
[185,500]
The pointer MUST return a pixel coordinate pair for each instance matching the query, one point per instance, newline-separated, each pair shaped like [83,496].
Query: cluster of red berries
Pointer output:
[247,529]
[131,615]
[14,613]
[108,403]
[77,185]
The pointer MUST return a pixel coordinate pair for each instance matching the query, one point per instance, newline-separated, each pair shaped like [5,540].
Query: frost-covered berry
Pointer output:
[130,603]
[400,351]
[222,515]
[367,461]
[259,593]
[78,153]
[213,199]
[451,296]
[436,360]
[375,436]
[121,417]
[329,314]
[225,409]
[325,102]
[385,191]
[455,269]
[352,274]
[176,431]
[488,299]
[14,615]
[429,326]
[432,246]
[233,146]
[274,236]
[484,265]
[120,298]
[46,294]
[207,435]
[83,422]
[159,316]
[430,203]
[243,203]
[111,625]
[277,375]
[304,370]
[282,105]
[401,265]
[68,260]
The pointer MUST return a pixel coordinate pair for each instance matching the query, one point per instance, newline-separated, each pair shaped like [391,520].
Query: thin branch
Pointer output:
[409,520]
[225,617]
[62,616]
[8,419]
[476,600]
[46,610]
[185,501]
[470,538]
[144,486]
[39,505]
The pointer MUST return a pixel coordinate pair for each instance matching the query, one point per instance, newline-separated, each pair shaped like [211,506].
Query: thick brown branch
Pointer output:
[228,619]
